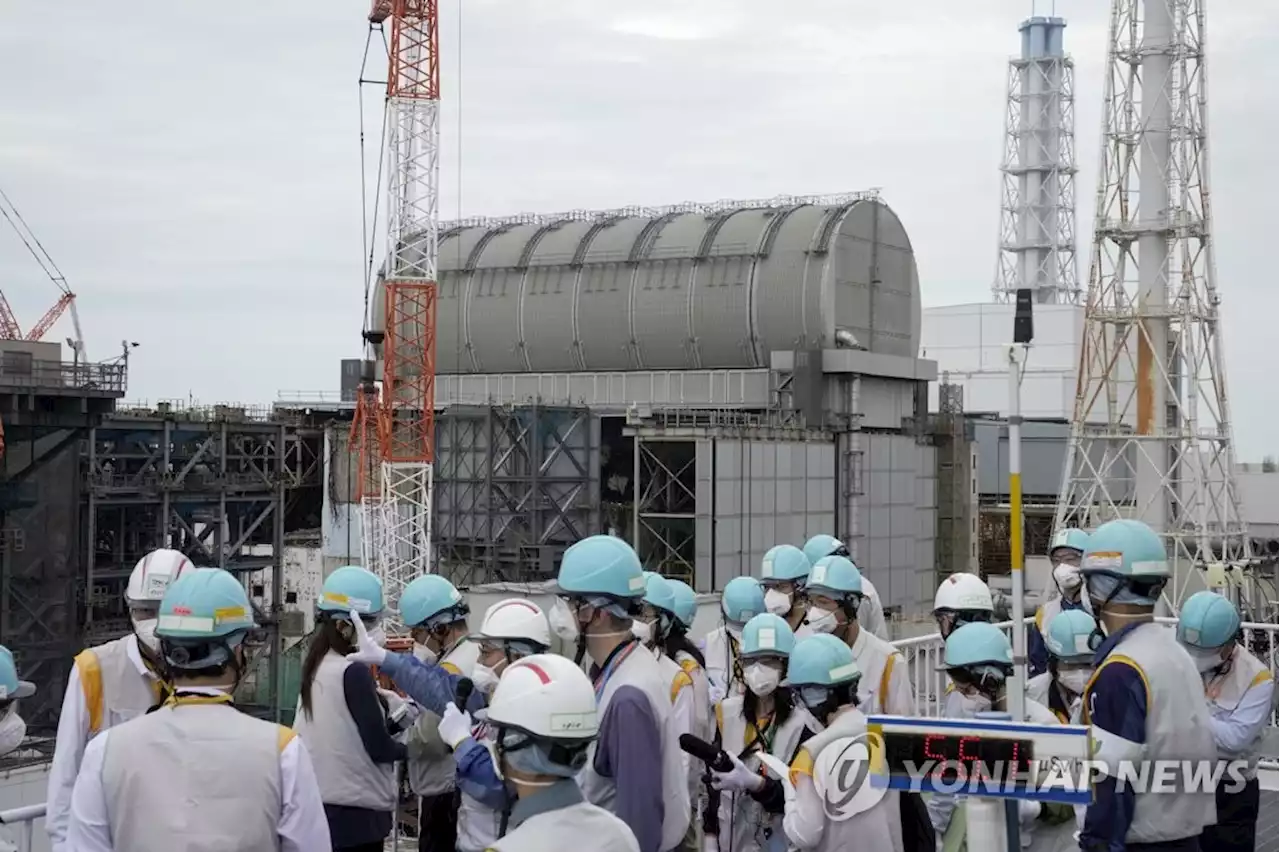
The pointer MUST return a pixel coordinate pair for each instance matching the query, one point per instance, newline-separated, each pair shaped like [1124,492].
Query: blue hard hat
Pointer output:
[1070,538]
[835,575]
[977,643]
[784,563]
[1068,635]
[686,601]
[767,635]
[821,660]
[658,592]
[1208,620]
[351,588]
[822,545]
[601,565]
[10,687]
[742,599]
[204,614]
[1127,549]
[430,600]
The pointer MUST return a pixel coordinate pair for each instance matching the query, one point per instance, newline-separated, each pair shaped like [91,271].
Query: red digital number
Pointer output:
[963,742]
[928,747]
[1015,754]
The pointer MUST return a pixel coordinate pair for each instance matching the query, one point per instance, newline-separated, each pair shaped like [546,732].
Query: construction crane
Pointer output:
[9,328]
[394,427]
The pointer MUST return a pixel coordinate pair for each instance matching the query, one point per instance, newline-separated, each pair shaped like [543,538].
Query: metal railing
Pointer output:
[23,822]
[108,378]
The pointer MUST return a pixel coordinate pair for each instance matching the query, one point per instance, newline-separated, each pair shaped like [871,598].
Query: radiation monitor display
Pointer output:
[979,757]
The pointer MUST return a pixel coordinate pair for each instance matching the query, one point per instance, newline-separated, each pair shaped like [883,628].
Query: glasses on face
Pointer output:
[144,610]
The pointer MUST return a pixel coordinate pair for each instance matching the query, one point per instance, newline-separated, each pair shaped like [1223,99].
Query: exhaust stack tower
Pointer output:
[1151,429]
[1038,169]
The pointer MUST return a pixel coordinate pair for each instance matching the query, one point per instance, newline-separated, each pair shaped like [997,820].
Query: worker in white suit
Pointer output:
[111,683]
[871,610]
[197,773]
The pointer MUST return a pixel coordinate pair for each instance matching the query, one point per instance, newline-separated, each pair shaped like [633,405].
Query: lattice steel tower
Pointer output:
[1151,432]
[1038,171]
[395,425]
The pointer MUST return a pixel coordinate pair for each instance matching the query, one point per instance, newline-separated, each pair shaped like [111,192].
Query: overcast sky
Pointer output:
[195,169]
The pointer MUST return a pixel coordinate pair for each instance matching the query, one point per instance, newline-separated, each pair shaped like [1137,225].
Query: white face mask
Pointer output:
[564,621]
[972,705]
[1074,680]
[425,654]
[1206,661]
[821,620]
[642,630]
[145,630]
[484,678]
[379,636]
[762,680]
[776,602]
[13,730]
[1067,577]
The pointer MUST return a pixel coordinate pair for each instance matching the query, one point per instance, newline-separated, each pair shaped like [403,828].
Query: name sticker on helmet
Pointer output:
[567,723]
[818,575]
[230,613]
[765,638]
[156,586]
[1105,560]
[842,672]
[636,584]
[766,568]
[1082,645]
[185,623]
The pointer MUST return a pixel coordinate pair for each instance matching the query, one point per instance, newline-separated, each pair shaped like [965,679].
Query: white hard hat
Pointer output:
[153,574]
[547,696]
[961,592]
[516,620]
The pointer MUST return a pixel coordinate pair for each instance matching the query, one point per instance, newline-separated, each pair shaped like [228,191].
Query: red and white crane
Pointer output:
[9,328]
[394,427]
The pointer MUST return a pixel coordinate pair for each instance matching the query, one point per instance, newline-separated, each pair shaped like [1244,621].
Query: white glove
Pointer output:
[738,778]
[710,843]
[1028,812]
[367,651]
[455,725]
[397,707]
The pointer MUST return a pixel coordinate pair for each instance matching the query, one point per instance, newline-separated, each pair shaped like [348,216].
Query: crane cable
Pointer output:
[42,256]
[366,228]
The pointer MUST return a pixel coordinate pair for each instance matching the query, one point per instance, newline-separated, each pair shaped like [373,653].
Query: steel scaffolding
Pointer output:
[214,483]
[514,487]
[48,409]
[664,512]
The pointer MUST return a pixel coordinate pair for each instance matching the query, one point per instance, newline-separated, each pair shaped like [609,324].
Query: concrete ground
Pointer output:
[1268,839]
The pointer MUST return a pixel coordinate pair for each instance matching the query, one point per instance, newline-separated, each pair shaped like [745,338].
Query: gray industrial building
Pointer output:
[703,380]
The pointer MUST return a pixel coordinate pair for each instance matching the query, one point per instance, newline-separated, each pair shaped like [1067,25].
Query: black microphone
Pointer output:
[463,693]
[713,757]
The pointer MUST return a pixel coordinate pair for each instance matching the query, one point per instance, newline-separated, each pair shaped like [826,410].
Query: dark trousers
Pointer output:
[1237,820]
[1186,844]
[438,823]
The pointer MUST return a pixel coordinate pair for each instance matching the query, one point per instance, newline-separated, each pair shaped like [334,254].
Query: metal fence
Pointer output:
[27,373]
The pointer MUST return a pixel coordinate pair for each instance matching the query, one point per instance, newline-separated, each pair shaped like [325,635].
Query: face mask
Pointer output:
[972,705]
[1067,577]
[762,680]
[379,636]
[1206,661]
[424,653]
[564,621]
[1074,680]
[776,602]
[642,630]
[145,630]
[13,730]
[821,620]
[484,678]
